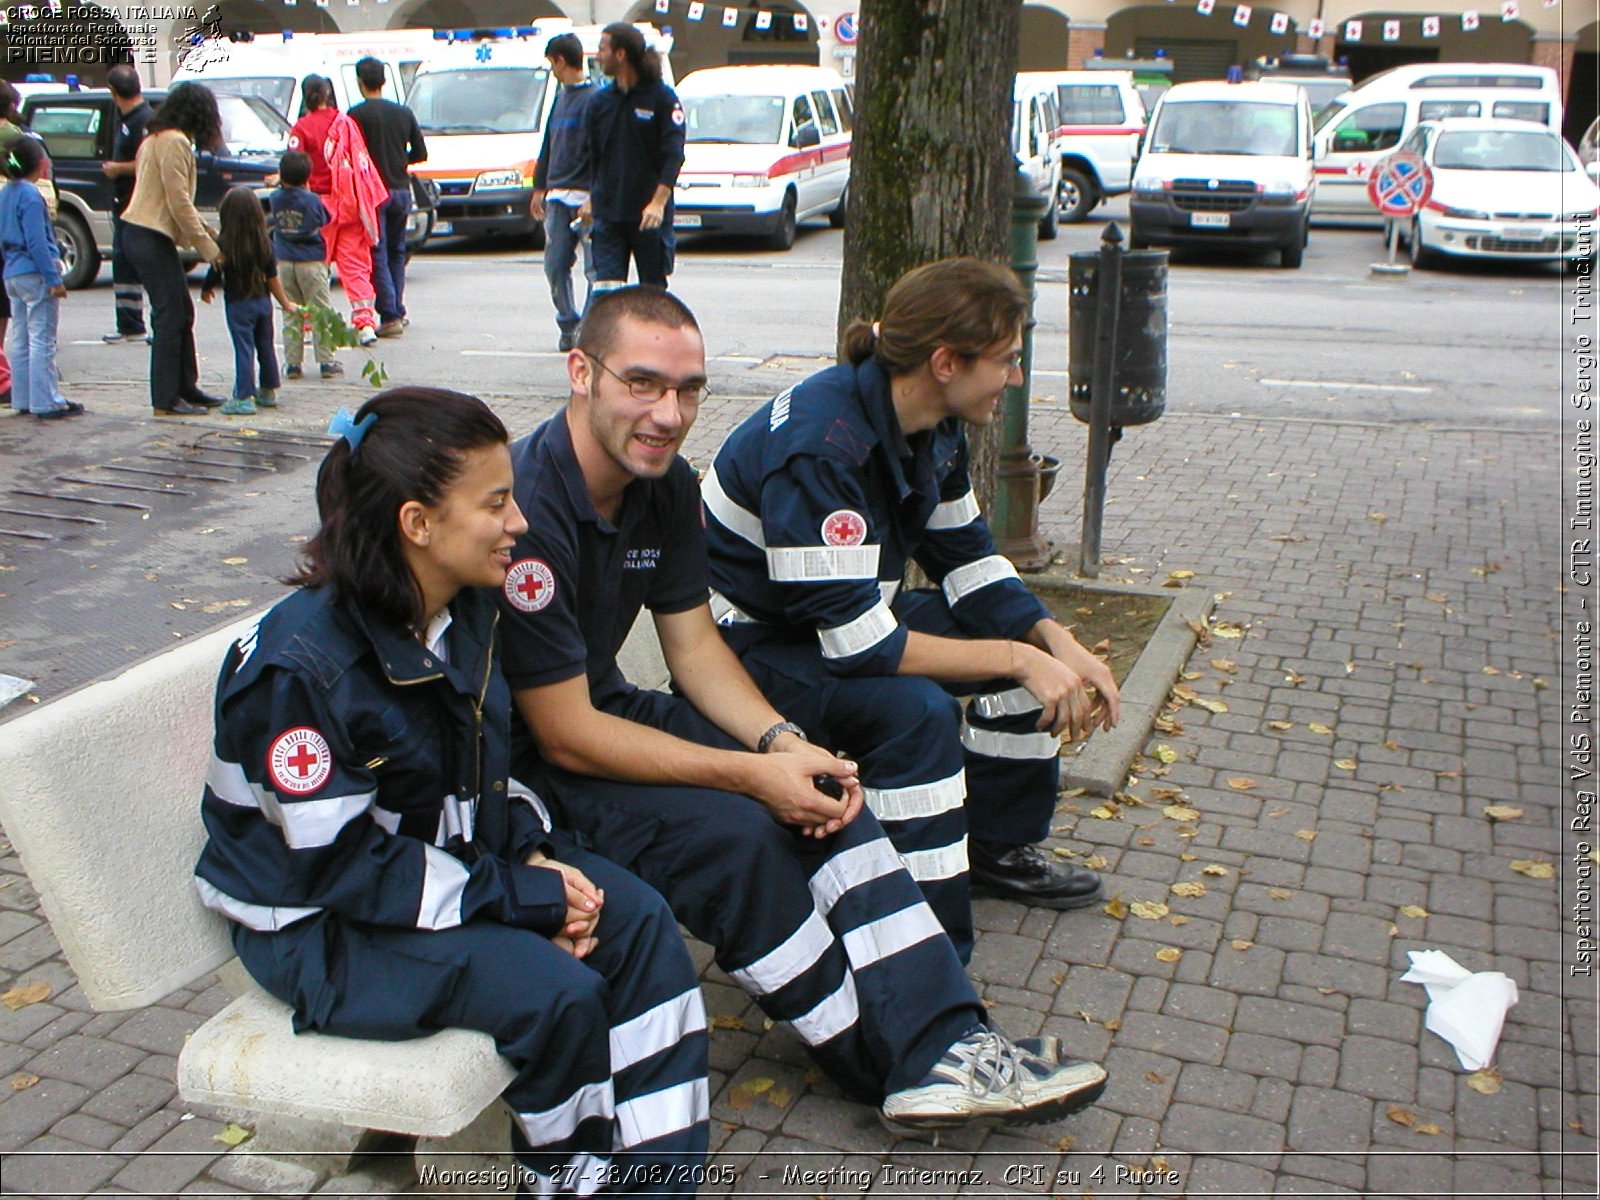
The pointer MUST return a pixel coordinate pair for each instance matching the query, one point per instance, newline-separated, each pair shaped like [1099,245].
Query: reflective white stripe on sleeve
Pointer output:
[385,820]
[518,790]
[830,1018]
[964,580]
[305,823]
[266,919]
[889,935]
[556,1124]
[726,612]
[444,879]
[813,564]
[953,514]
[944,863]
[646,1118]
[1010,703]
[917,800]
[788,961]
[890,589]
[456,819]
[855,866]
[733,517]
[230,784]
[656,1029]
[863,633]
[1009,745]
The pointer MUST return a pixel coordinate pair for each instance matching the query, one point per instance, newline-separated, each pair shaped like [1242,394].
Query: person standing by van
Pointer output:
[635,135]
[395,141]
[133,110]
[561,183]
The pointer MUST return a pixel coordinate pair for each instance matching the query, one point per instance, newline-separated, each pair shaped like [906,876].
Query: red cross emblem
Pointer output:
[1358,168]
[844,528]
[530,585]
[299,762]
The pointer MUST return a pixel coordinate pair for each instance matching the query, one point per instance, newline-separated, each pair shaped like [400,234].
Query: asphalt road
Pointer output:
[1474,346]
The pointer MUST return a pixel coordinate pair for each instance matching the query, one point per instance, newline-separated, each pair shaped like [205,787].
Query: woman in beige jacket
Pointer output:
[160,218]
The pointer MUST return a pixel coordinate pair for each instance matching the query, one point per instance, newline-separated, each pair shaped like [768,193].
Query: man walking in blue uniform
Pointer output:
[710,795]
[635,130]
[815,506]
[133,110]
[561,183]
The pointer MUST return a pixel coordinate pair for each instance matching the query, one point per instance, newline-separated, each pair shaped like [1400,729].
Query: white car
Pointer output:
[1501,189]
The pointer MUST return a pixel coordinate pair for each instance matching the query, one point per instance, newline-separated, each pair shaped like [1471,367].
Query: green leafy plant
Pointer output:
[330,328]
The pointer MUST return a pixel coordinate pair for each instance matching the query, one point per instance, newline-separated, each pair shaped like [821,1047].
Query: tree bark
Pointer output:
[932,169]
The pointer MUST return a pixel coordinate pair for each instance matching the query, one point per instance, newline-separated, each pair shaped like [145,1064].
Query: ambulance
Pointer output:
[272,67]
[482,104]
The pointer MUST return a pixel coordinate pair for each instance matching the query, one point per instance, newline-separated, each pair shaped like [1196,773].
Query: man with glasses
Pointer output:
[815,507]
[756,837]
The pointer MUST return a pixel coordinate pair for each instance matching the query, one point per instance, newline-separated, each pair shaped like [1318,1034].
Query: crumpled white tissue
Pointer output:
[1465,1008]
[12,686]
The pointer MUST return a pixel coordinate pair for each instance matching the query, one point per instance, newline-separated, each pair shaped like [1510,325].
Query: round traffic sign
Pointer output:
[1400,184]
[844,28]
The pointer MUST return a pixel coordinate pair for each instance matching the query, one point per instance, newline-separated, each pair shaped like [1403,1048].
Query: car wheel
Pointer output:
[80,261]
[1421,257]
[1076,196]
[1294,253]
[836,217]
[782,236]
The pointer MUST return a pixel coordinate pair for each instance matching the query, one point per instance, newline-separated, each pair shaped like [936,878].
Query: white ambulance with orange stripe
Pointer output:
[766,147]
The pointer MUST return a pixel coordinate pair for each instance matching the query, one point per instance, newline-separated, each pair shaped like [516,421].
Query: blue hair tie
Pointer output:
[345,426]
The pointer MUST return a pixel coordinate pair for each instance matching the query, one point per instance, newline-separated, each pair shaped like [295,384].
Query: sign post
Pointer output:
[1398,187]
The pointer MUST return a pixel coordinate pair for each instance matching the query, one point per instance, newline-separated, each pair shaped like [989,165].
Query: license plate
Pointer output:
[443,228]
[1522,233]
[1210,220]
[686,220]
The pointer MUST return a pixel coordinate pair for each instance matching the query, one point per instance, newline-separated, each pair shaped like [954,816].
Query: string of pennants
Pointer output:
[1352,30]
[696,11]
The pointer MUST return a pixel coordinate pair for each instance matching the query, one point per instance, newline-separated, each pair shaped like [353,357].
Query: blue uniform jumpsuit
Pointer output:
[368,844]
[814,506]
[830,936]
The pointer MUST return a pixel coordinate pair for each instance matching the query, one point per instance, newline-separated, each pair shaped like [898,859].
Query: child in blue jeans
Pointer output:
[249,278]
[33,285]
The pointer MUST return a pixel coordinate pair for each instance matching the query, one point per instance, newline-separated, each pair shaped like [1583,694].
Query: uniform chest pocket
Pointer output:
[409,755]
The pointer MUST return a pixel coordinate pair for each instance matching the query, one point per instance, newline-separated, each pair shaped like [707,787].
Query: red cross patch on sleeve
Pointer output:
[299,761]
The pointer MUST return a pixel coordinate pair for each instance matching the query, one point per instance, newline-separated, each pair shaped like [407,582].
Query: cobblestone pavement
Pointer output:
[1396,595]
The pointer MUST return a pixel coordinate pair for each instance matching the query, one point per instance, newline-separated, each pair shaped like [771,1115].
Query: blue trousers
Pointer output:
[561,245]
[250,326]
[610,1051]
[932,774]
[35,313]
[389,255]
[651,250]
[125,285]
[831,937]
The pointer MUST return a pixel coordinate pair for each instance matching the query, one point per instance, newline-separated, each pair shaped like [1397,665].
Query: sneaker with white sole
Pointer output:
[985,1077]
[366,335]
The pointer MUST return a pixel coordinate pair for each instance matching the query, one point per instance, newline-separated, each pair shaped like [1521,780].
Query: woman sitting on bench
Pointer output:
[384,874]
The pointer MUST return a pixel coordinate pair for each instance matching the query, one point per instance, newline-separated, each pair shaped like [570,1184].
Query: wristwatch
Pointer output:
[765,742]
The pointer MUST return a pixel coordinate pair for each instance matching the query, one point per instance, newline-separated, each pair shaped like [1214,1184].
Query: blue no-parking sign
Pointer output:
[1400,184]
[844,28]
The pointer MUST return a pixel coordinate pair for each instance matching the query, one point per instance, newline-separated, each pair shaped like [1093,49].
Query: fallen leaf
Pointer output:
[1306,835]
[1280,726]
[1149,910]
[1145,841]
[1063,852]
[1394,931]
[233,1135]
[1345,764]
[1485,1082]
[1391,744]
[1430,1129]
[1185,856]
[1436,597]
[1103,813]
[1414,910]
[1096,862]
[1532,868]
[1189,891]
[1378,516]
[1166,754]
[1242,783]
[1292,676]
[234,562]
[1180,574]
[1502,812]
[1491,670]
[1276,812]
[1116,908]
[1447,774]
[22,1083]
[1063,1144]
[1177,919]
[1211,706]
[1152,1077]
[1279,893]
[1401,1116]
[726,1022]
[22,997]
[779,1097]
[1227,629]
[1112,1025]
[1319,727]
[217,606]
[1241,944]
[1226,665]
[1168,954]
[759,1085]
[741,1098]
[1213,869]
[1177,812]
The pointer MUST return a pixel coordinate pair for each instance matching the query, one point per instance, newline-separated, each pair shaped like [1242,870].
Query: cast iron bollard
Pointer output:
[1015,520]
[1117,346]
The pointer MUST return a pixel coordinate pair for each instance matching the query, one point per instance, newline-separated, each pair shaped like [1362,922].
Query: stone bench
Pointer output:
[100,794]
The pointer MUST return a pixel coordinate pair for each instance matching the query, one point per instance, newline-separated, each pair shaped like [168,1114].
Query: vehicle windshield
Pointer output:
[1224,127]
[502,100]
[274,89]
[1501,150]
[1321,92]
[741,120]
[1326,115]
[251,126]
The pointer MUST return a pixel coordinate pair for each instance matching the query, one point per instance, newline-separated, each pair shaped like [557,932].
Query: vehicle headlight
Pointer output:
[1279,190]
[497,179]
[1464,214]
[750,181]
[1147,187]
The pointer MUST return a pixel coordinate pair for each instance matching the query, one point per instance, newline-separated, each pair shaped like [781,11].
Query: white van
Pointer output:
[1033,140]
[482,106]
[272,68]
[1226,164]
[1099,117]
[1370,120]
[765,147]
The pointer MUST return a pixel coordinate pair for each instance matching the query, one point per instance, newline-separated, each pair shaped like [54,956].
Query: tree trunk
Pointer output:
[932,170]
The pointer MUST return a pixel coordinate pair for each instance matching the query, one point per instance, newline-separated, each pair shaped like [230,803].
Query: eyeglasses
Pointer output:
[650,389]
[1011,362]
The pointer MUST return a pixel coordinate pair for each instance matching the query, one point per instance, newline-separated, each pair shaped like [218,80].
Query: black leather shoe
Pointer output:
[180,408]
[1032,876]
[204,400]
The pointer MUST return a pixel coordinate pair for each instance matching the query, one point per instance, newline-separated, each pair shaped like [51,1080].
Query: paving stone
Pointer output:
[56,1167]
[129,1100]
[1200,1129]
[1101,993]
[1349,978]
[1258,1054]
[173,1160]
[1208,1004]
[1218,1086]
[1140,1084]
[1148,995]
[1190,1041]
[837,1124]
[158,1030]
[87,1131]
[1287,934]
[1347,1171]
[92,1062]
[1216,1176]
[147,1132]
[1363,938]
[258,1173]
[1272,1100]
[1381,1068]
[1510,1116]
[1004,958]
[1257,970]
[1410,1174]
[27,1114]
[1280,1018]
[1323,1119]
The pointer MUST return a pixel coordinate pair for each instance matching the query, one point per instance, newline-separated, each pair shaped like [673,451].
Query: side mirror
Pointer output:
[807,135]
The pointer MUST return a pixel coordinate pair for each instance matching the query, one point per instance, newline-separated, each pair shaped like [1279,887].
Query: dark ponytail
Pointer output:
[964,304]
[22,158]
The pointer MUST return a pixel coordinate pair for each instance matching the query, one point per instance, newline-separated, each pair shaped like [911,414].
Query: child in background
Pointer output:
[249,278]
[33,285]
[297,220]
